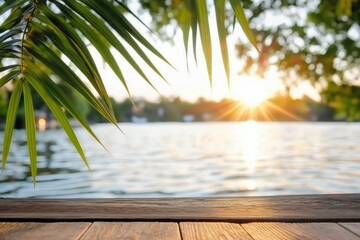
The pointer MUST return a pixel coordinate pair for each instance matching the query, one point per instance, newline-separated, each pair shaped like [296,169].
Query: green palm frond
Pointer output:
[10,120]
[222,33]
[194,16]
[36,35]
[30,127]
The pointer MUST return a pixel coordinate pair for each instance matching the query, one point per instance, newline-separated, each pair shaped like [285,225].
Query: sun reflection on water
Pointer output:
[250,184]
[250,151]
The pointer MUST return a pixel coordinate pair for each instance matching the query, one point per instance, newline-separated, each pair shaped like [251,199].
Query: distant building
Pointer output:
[136,119]
[188,118]
[206,117]
[160,112]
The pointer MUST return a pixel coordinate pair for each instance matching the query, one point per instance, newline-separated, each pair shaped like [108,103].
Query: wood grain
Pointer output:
[42,231]
[301,231]
[344,208]
[212,230]
[133,230]
[353,227]
[6,226]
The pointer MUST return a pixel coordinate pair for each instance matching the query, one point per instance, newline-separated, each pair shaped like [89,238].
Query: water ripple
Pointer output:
[196,159]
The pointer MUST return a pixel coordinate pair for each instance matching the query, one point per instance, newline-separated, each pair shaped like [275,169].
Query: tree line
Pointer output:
[280,107]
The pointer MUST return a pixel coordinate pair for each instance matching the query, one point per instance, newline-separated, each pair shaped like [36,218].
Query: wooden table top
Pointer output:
[294,208]
[326,216]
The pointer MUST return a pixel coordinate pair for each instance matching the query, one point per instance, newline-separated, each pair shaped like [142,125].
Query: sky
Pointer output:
[192,84]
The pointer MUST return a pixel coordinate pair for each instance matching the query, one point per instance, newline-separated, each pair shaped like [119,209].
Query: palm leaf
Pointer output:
[222,33]
[101,27]
[13,66]
[94,37]
[127,32]
[9,54]
[133,14]
[10,121]
[104,31]
[30,128]
[68,48]
[205,34]
[120,24]
[9,34]
[55,63]
[42,81]
[194,24]
[59,115]
[63,27]
[194,16]
[8,77]
[15,17]
[240,15]
[10,4]
[41,40]
[185,23]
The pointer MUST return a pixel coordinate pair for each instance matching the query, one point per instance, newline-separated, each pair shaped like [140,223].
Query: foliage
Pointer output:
[35,32]
[317,41]
[164,13]
[192,17]
[310,39]
[345,99]
[280,107]
[45,43]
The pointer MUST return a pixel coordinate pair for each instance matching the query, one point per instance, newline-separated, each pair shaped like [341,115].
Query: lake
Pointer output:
[189,160]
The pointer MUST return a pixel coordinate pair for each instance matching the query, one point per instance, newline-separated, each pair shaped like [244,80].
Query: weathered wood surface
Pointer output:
[353,227]
[334,208]
[42,231]
[133,230]
[6,226]
[178,231]
[300,231]
[213,230]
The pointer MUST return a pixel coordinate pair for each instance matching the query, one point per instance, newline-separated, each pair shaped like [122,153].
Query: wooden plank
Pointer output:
[53,231]
[213,230]
[301,231]
[344,208]
[133,230]
[353,227]
[6,226]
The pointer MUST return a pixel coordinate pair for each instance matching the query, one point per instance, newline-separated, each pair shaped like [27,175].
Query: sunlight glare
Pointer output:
[250,92]
[250,151]
[249,145]
[250,184]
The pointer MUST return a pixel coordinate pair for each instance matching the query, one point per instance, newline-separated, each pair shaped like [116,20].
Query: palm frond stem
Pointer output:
[23,38]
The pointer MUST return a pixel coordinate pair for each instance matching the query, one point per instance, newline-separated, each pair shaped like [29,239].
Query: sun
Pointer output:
[249,92]
[251,100]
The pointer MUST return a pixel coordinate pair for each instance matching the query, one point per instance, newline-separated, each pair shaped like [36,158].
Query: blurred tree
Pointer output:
[164,13]
[345,99]
[317,41]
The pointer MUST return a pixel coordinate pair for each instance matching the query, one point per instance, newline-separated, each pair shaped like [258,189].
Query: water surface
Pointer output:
[190,159]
